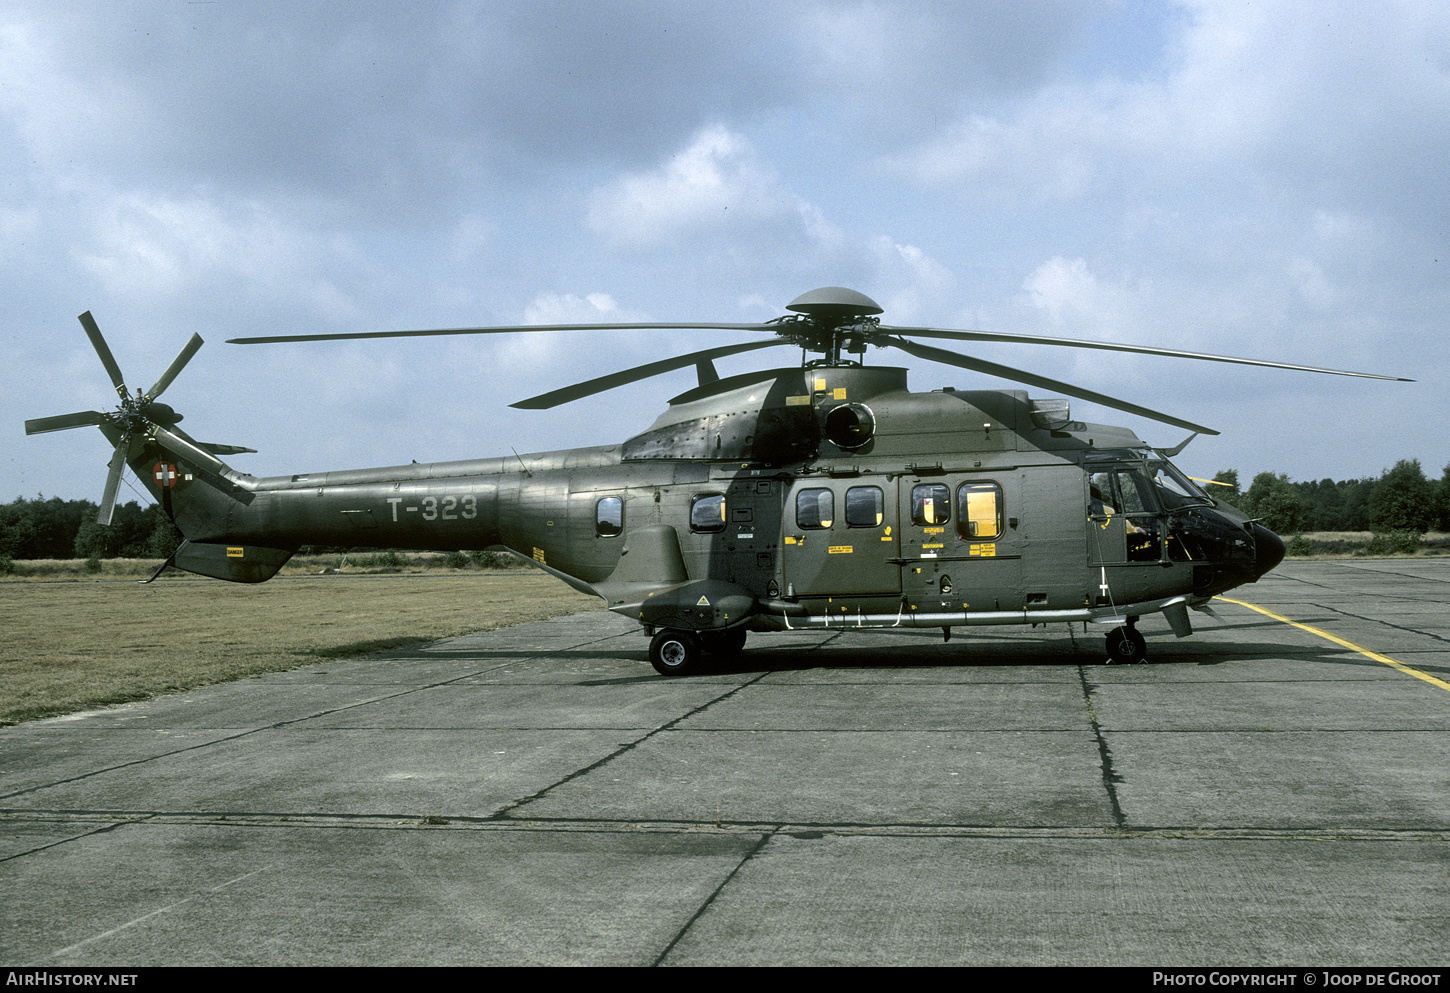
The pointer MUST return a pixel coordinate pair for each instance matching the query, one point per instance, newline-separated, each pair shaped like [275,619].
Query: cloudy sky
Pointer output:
[1253,177]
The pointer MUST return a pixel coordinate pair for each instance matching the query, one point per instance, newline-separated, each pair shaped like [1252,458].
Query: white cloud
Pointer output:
[1047,154]
[471,235]
[820,231]
[1314,288]
[1335,105]
[52,108]
[922,267]
[919,285]
[149,246]
[567,354]
[154,251]
[1069,293]
[566,308]
[716,184]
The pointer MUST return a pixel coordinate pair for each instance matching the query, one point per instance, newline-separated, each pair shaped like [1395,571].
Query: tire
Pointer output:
[1126,646]
[724,644]
[674,653]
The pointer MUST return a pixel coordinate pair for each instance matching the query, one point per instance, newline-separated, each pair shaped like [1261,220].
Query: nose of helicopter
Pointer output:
[1268,549]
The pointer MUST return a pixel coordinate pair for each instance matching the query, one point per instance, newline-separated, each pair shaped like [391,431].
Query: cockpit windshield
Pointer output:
[1174,489]
[1127,483]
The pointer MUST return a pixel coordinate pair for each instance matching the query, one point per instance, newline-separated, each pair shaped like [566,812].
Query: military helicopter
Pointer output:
[820,496]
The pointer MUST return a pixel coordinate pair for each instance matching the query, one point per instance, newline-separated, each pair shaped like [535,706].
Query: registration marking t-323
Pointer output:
[449,508]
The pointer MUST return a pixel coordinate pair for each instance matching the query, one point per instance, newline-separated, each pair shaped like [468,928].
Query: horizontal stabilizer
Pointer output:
[234,563]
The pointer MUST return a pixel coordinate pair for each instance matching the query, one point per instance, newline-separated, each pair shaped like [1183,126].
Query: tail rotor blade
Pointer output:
[104,351]
[113,483]
[177,364]
[179,445]
[62,422]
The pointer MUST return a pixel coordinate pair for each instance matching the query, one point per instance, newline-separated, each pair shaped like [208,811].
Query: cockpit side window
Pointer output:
[1125,494]
[1103,495]
[1135,492]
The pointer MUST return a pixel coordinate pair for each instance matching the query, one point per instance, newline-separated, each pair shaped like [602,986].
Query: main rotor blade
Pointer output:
[104,351]
[62,422]
[177,364]
[514,329]
[113,482]
[580,390]
[1032,339]
[1031,379]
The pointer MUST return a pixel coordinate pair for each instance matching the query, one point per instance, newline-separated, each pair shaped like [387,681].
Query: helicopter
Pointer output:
[825,495]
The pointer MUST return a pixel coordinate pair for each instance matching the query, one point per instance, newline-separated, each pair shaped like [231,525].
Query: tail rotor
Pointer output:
[138,418]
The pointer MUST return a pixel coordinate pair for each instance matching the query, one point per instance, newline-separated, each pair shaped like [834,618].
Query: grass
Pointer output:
[354,563]
[79,644]
[1330,544]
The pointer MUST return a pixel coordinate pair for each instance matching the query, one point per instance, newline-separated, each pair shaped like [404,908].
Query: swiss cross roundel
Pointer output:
[164,474]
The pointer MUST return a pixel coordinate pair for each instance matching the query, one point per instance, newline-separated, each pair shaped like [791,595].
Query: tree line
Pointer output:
[67,529]
[1402,499]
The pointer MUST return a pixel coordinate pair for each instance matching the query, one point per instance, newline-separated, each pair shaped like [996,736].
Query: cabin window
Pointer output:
[979,511]
[609,517]
[931,503]
[865,507]
[815,509]
[707,513]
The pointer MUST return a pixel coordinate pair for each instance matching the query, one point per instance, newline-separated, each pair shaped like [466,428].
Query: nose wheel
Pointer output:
[1126,645]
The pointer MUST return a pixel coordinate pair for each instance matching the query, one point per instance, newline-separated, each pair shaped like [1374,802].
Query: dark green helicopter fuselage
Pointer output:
[807,497]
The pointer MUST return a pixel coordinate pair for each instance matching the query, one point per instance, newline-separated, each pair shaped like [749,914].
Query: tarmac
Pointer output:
[1257,794]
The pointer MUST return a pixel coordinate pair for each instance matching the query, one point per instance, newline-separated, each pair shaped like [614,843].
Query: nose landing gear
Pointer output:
[1126,645]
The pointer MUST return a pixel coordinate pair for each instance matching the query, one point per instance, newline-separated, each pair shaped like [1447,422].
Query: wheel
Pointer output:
[723,644]
[1126,645]
[674,653]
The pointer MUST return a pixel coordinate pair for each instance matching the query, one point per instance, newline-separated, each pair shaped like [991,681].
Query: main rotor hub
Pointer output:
[834,320]
[834,305]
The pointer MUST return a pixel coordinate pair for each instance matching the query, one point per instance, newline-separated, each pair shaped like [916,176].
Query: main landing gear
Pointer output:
[678,653]
[1126,645]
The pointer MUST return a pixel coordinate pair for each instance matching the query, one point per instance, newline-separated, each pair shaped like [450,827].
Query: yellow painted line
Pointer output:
[1383,659]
